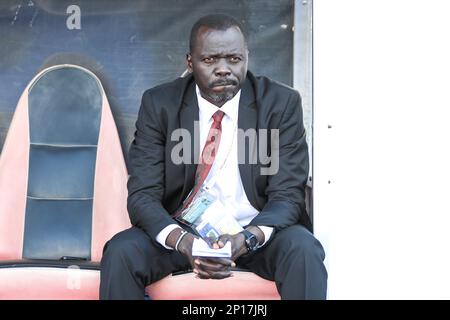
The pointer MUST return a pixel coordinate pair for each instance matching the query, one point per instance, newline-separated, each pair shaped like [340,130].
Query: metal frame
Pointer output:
[302,78]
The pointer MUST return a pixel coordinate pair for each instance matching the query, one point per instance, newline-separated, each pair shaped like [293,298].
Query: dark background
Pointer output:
[130,45]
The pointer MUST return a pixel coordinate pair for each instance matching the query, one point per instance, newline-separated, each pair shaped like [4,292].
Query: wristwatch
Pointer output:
[251,242]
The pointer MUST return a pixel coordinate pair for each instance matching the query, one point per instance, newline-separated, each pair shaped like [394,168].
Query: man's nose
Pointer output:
[222,69]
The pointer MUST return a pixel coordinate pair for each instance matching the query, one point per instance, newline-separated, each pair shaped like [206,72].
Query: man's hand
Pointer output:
[238,247]
[205,268]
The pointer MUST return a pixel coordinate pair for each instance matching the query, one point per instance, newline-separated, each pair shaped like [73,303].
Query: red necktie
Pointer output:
[207,158]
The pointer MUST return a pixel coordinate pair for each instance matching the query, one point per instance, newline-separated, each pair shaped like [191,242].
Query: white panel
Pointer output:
[382,171]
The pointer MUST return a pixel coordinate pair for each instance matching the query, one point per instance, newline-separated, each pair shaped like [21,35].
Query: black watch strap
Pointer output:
[251,242]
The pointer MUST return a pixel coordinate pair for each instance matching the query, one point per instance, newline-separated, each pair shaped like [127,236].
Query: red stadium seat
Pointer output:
[244,285]
[62,188]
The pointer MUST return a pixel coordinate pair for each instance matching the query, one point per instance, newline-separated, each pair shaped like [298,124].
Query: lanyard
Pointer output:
[212,180]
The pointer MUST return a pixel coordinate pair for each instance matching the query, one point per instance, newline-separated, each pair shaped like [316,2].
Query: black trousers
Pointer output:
[293,259]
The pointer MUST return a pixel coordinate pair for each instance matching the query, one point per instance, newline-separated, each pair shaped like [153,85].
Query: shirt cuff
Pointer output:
[164,233]
[267,234]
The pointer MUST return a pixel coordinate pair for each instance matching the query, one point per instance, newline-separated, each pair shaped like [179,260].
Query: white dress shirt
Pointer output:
[224,174]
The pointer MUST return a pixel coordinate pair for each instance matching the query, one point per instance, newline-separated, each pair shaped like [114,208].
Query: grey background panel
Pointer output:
[64,108]
[130,45]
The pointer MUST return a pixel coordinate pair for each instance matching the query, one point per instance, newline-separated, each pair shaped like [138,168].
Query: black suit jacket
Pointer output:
[157,186]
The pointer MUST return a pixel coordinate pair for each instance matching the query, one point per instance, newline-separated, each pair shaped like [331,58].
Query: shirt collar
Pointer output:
[207,109]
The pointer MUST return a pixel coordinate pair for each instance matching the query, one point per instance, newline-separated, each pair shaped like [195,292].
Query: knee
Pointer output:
[122,247]
[297,240]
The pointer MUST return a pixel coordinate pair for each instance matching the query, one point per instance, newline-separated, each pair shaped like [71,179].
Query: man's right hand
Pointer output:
[205,268]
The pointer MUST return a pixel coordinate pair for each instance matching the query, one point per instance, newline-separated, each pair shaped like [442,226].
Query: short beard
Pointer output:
[221,98]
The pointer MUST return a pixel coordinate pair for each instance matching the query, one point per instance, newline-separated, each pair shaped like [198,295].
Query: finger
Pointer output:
[212,274]
[216,261]
[210,242]
[221,242]
[208,274]
[224,261]
[220,275]
[201,274]
[223,239]
[210,265]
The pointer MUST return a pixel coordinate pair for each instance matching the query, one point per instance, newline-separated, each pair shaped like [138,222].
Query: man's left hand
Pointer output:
[238,247]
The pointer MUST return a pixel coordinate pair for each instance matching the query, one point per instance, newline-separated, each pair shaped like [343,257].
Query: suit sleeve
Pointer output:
[146,166]
[286,187]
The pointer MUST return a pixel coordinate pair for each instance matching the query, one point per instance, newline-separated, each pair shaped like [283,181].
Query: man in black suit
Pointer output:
[266,197]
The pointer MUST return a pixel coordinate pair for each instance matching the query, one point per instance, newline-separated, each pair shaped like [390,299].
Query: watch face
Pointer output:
[251,241]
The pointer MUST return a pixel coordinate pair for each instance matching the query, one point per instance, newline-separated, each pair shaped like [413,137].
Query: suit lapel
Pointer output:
[247,119]
[188,118]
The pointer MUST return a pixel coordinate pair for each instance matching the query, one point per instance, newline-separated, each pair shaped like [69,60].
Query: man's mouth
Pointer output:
[223,84]
[222,87]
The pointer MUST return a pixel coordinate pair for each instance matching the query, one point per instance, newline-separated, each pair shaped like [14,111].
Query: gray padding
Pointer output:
[61,173]
[64,116]
[64,108]
[54,229]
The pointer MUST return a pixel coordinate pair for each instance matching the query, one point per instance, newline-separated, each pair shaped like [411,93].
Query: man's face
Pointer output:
[219,63]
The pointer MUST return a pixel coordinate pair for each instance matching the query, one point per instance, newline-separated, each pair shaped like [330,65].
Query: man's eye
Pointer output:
[235,59]
[208,60]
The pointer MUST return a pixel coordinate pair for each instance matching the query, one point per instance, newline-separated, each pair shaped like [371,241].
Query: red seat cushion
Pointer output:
[49,283]
[242,286]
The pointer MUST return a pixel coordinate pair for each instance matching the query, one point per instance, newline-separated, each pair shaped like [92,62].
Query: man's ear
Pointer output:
[189,62]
